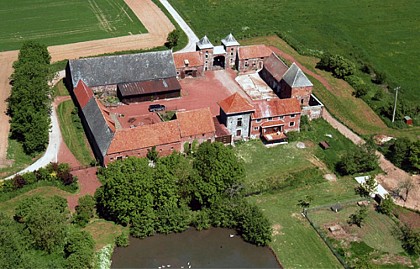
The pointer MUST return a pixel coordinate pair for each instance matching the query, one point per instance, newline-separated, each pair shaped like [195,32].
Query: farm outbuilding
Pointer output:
[148,90]
[408,120]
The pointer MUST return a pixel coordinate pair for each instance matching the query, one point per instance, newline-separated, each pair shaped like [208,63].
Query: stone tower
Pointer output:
[231,46]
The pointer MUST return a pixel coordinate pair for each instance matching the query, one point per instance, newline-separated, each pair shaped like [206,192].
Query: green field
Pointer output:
[376,238]
[295,242]
[385,33]
[56,22]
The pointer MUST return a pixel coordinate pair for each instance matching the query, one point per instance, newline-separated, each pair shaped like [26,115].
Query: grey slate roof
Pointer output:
[230,41]
[100,71]
[296,78]
[204,43]
[101,132]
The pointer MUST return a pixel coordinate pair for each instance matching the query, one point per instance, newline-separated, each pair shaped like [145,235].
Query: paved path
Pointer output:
[192,37]
[155,21]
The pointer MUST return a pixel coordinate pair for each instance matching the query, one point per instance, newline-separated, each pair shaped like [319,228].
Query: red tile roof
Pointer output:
[275,107]
[195,122]
[275,66]
[235,104]
[254,51]
[272,123]
[82,93]
[145,136]
[194,59]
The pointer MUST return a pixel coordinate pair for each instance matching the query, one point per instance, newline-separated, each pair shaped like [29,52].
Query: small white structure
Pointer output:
[379,192]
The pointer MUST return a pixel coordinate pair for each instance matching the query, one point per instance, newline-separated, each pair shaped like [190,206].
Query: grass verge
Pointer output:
[73,133]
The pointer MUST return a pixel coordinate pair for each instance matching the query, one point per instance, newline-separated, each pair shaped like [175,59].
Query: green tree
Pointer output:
[218,171]
[13,243]
[414,156]
[399,151]
[359,217]
[305,202]
[84,210]
[172,39]
[367,188]
[362,159]
[79,249]
[386,206]
[29,102]
[253,225]
[152,154]
[410,240]
[46,221]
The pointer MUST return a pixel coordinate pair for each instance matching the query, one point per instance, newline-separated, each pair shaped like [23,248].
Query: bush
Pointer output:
[337,64]
[122,240]
[253,225]
[84,210]
[362,159]
[201,220]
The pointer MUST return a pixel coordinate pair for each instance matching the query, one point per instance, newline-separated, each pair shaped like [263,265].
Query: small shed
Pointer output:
[408,120]
[324,145]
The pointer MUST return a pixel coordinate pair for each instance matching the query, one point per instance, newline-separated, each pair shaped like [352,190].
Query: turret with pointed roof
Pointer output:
[204,43]
[230,41]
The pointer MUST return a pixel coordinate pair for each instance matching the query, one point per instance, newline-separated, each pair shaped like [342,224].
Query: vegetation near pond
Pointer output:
[41,236]
[179,191]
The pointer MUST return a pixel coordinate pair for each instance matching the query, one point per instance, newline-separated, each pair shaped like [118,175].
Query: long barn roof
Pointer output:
[108,70]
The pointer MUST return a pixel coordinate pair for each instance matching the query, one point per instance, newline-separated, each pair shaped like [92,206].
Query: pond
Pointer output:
[213,248]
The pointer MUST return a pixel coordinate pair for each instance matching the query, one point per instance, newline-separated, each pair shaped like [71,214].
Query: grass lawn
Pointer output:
[73,134]
[377,232]
[295,242]
[17,157]
[104,232]
[384,33]
[60,89]
[56,22]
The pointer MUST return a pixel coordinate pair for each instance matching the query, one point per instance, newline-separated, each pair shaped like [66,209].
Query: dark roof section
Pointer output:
[108,70]
[148,87]
[296,78]
[82,93]
[275,66]
[98,126]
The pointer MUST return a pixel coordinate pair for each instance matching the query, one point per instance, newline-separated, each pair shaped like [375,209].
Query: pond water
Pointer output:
[213,248]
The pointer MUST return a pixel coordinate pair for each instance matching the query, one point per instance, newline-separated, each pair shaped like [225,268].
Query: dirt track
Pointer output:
[155,21]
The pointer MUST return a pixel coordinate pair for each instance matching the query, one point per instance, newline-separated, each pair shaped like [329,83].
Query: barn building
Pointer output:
[136,77]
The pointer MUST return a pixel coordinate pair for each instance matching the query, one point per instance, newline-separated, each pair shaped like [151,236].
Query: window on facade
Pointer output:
[258,120]
[292,116]
[246,64]
[231,49]
[238,132]
[239,122]
[270,118]
[231,54]
[281,117]
[119,157]
[256,128]
[292,123]
[301,101]
[207,54]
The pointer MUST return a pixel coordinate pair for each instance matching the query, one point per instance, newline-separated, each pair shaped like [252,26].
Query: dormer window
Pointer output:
[186,62]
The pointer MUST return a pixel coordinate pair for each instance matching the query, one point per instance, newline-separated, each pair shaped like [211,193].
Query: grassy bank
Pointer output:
[73,133]
[64,22]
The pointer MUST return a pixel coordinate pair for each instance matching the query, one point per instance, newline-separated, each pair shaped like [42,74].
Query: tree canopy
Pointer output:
[29,102]
[178,191]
